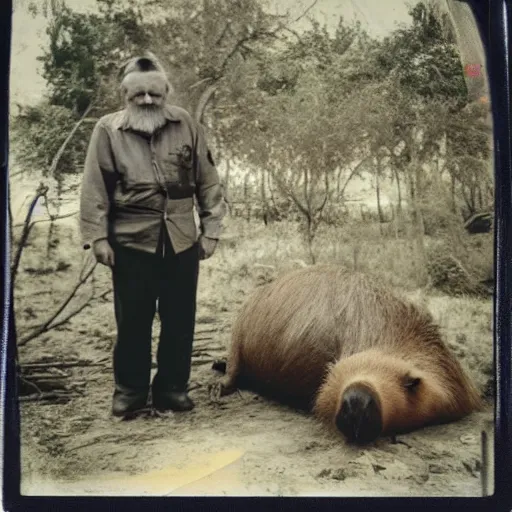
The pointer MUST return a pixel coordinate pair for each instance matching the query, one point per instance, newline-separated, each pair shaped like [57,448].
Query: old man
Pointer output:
[151,209]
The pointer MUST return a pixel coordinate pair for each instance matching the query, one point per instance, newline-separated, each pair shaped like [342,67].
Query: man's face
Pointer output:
[151,97]
[145,95]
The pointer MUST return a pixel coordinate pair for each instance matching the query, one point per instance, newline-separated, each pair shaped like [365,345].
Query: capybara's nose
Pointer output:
[359,417]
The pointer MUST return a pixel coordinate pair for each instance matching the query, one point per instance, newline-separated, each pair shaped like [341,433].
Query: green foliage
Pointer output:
[461,266]
[84,50]
[37,134]
[424,58]
[80,66]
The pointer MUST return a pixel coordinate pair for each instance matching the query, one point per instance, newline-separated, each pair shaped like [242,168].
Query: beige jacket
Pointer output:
[132,184]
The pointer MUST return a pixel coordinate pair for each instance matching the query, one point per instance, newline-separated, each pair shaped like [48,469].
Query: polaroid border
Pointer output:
[494,19]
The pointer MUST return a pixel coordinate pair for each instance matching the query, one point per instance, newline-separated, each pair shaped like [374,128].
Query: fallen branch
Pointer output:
[50,364]
[205,331]
[54,397]
[46,385]
[203,338]
[25,382]
[86,445]
[103,295]
[48,324]
[42,376]
[202,353]
[199,362]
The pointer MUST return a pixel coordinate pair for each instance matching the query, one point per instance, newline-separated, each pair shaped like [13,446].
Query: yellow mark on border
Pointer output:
[172,478]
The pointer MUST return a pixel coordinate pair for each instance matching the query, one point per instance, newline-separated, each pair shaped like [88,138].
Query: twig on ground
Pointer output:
[202,352]
[203,338]
[199,362]
[103,295]
[59,397]
[30,384]
[204,331]
[41,376]
[69,364]
[86,445]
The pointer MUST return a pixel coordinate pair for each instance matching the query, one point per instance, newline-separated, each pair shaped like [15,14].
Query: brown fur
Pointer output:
[309,334]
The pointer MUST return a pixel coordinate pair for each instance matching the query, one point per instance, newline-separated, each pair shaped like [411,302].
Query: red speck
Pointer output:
[472,70]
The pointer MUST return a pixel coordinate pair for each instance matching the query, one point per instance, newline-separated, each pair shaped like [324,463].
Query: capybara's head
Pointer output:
[371,394]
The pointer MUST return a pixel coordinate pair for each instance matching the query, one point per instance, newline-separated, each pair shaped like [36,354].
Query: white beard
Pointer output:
[145,119]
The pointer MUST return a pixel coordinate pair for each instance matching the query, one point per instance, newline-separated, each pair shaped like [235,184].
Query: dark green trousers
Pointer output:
[143,284]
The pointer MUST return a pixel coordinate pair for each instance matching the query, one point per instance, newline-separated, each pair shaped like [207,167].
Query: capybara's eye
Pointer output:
[411,383]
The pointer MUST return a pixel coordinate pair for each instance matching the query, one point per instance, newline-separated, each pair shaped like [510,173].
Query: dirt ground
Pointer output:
[244,445]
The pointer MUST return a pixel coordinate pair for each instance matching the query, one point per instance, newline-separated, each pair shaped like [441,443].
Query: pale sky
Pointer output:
[378,17]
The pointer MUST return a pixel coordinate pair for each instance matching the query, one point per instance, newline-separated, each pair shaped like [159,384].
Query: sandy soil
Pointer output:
[244,445]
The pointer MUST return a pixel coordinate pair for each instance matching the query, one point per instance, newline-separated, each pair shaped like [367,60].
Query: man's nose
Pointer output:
[148,99]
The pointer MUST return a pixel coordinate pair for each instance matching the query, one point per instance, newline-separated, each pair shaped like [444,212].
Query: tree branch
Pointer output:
[223,33]
[251,37]
[326,196]
[207,79]
[203,101]
[60,151]
[305,12]
[51,219]
[287,191]
[352,174]
[46,326]
[27,226]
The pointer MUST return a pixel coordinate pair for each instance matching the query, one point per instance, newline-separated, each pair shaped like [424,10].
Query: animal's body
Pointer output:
[344,346]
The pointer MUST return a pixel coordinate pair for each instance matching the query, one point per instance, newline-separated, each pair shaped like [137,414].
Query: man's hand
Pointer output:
[206,247]
[104,253]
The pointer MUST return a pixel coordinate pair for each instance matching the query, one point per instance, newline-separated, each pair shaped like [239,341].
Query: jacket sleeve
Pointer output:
[98,185]
[210,198]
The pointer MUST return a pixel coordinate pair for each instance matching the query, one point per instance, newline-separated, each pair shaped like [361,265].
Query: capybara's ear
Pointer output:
[410,382]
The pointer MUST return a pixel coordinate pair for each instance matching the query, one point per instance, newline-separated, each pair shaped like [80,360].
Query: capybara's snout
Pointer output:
[359,418]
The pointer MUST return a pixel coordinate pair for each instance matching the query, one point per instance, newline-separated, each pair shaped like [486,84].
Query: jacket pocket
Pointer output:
[177,166]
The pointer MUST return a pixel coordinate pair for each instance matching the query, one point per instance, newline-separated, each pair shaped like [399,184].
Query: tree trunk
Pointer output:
[263,191]
[272,197]
[480,198]
[377,188]
[247,202]
[398,189]
[454,201]
[310,235]
[414,179]
[338,182]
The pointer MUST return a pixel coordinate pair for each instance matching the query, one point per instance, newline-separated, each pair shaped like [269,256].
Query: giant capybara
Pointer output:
[344,346]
